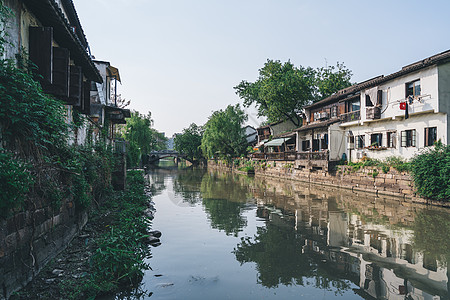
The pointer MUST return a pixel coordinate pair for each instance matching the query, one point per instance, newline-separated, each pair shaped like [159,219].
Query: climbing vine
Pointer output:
[36,159]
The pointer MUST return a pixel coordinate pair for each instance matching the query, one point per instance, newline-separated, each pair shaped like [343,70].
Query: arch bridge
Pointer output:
[155,156]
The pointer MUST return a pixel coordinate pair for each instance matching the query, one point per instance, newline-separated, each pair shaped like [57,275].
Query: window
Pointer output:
[430,136]
[353,105]
[334,112]
[315,145]
[409,138]
[375,139]
[41,51]
[351,142]
[324,142]
[360,142]
[306,145]
[391,139]
[413,88]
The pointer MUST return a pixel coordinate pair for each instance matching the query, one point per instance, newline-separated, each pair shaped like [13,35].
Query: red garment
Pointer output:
[402,105]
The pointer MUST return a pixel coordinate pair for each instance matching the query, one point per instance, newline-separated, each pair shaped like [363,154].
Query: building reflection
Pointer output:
[383,246]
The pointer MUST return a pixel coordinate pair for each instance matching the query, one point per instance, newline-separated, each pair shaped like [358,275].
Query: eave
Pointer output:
[50,15]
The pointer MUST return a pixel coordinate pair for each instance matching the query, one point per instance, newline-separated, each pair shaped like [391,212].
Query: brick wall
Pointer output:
[31,238]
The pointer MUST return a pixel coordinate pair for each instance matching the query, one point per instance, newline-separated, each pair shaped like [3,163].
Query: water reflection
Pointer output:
[324,238]
[388,250]
[225,201]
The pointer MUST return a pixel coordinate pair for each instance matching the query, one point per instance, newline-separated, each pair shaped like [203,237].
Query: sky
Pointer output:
[180,59]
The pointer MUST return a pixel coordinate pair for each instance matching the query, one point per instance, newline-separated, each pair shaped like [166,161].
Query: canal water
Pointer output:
[228,236]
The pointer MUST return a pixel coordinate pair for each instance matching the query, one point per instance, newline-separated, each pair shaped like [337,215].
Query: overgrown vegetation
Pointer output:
[120,257]
[394,162]
[431,172]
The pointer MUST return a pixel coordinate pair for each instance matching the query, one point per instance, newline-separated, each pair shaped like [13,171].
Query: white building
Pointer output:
[394,115]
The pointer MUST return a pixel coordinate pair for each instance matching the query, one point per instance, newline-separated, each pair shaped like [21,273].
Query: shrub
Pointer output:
[15,182]
[398,163]
[431,172]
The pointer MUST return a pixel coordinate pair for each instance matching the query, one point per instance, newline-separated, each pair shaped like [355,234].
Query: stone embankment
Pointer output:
[30,239]
[366,179]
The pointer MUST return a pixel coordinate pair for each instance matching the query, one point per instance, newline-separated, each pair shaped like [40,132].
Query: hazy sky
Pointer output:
[181,59]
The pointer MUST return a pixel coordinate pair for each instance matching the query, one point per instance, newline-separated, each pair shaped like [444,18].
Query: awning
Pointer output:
[261,143]
[114,73]
[276,142]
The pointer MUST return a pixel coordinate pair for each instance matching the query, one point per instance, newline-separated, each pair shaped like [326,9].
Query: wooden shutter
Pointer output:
[75,89]
[61,74]
[41,51]
[413,137]
[379,97]
[86,98]
[403,139]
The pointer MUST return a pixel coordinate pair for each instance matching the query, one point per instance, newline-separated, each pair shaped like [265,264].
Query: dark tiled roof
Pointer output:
[50,15]
[442,57]
[317,125]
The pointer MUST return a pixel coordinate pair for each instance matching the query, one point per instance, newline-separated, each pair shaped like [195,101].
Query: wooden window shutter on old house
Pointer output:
[379,97]
[61,74]
[41,51]
[75,89]
[86,102]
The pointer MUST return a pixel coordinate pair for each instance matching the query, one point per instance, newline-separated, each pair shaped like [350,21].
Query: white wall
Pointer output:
[417,122]
[394,93]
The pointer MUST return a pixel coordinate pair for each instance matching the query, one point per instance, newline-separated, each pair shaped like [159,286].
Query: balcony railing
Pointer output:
[289,155]
[320,155]
[351,116]
[292,155]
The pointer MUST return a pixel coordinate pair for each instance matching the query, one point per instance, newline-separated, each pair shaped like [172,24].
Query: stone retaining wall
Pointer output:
[367,179]
[30,239]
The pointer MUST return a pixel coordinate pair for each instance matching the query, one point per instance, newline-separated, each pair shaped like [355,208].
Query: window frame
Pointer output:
[306,143]
[408,138]
[427,136]
[351,142]
[360,141]
[379,139]
[412,91]
[391,139]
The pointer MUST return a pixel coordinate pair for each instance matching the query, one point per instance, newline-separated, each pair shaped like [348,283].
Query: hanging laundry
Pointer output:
[406,111]
[402,105]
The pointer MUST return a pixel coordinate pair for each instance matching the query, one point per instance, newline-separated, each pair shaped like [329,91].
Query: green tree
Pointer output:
[224,135]
[141,137]
[330,79]
[282,90]
[189,142]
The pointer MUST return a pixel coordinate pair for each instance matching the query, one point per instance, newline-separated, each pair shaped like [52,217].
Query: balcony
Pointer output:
[320,155]
[351,116]
[288,155]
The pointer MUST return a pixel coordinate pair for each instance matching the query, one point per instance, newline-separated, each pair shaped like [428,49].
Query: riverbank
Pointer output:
[371,180]
[108,254]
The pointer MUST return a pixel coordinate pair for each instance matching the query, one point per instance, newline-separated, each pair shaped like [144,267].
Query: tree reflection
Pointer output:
[224,202]
[188,184]
[278,254]
[432,234]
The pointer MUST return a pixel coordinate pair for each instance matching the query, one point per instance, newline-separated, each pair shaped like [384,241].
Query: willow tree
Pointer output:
[224,135]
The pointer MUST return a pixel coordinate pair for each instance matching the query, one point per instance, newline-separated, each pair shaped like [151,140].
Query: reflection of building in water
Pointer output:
[361,243]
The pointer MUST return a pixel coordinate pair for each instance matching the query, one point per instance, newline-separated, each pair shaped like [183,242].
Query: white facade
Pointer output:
[427,122]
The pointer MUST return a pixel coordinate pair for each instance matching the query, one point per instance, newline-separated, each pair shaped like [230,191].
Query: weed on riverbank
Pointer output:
[109,254]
